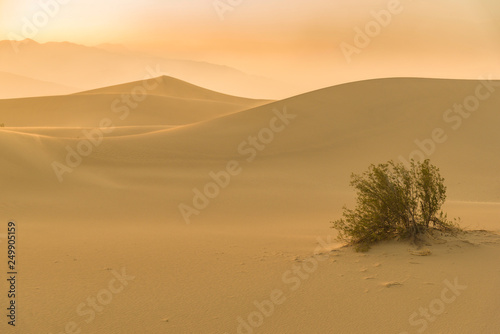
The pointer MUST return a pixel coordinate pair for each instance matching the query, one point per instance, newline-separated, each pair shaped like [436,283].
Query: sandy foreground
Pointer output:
[191,211]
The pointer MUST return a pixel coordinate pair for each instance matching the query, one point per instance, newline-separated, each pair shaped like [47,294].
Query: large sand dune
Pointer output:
[159,101]
[119,207]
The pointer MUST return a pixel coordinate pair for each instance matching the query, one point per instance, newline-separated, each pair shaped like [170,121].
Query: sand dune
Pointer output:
[132,104]
[119,208]
[172,87]
[76,132]
[331,134]
[338,132]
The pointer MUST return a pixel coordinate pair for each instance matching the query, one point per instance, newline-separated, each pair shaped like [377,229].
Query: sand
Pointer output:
[125,224]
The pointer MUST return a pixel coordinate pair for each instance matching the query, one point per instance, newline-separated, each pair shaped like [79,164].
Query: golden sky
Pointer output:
[280,38]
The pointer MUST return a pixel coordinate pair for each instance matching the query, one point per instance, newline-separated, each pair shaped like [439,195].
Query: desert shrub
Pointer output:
[394,202]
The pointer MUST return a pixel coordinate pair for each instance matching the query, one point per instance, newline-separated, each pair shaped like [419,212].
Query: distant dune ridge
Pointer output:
[130,156]
[167,104]
[170,87]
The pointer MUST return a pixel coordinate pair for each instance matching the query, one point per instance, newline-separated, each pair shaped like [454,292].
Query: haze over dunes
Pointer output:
[85,68]
[15,86]
[426,39]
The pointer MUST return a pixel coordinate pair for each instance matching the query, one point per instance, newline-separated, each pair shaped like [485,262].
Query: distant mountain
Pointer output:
[111,47]
[86,67]
[16,86]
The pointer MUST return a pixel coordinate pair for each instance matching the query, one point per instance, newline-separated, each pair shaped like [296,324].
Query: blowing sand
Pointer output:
[199,212]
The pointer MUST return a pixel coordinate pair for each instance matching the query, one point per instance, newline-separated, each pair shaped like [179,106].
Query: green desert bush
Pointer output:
[395,202]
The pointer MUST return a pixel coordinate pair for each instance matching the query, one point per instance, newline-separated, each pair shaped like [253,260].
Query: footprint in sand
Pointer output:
[391,284]
[421,252]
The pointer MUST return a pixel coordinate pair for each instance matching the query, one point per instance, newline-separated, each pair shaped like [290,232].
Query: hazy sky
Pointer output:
[283,39]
